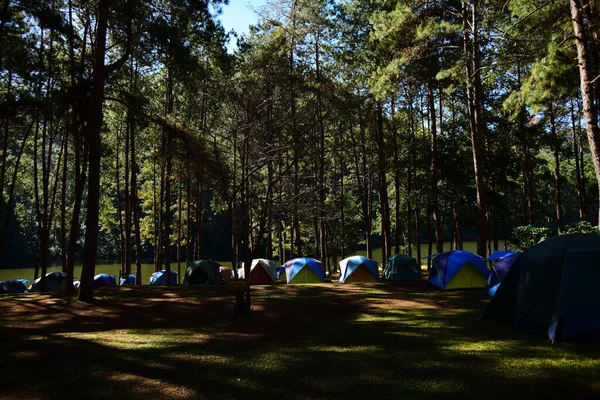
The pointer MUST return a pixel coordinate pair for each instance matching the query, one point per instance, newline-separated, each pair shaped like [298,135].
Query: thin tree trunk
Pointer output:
[167,192]
[435,202]
[557,195]
[128,134]
[383,187]
[120,205]
[135,207]
[580,186]
[63,197]
[418,235]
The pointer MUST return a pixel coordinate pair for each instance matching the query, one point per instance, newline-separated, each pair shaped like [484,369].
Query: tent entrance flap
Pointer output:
[467,277]
[306,275]
[258,276]
[361,274]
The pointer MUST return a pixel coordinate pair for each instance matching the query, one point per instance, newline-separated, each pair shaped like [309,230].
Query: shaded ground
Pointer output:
[377,340]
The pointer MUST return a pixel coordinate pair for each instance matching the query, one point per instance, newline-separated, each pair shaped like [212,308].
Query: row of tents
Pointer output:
[552,288]
[451,270]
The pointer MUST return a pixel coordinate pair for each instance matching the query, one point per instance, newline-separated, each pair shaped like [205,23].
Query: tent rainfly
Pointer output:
[262,272]
[304,270]
[458,269]
[401,267]
[358,269]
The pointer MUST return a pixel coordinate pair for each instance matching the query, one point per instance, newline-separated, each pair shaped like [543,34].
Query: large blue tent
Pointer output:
[160,278]
[304,270]
[499,271]
[458,269]
[553,289]
[358,269]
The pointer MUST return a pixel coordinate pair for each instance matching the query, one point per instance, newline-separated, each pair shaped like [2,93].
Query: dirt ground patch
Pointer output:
[139,307]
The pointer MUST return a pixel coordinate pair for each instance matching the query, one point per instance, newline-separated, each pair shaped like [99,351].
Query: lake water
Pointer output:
[148,269]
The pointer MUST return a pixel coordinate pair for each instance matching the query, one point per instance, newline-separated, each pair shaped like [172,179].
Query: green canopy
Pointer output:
[202,272]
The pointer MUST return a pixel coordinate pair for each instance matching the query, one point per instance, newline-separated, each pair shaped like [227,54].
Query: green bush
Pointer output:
[582,227]
[526,236]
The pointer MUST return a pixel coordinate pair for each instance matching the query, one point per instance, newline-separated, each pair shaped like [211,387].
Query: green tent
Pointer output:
[553,288]
[202,272]
[401,267]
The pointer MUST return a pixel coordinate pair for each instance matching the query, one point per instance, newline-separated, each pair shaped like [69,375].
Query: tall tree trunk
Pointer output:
[587,77]
[475,100]
[397,172]
[96,119]
[127,199]
[556,142]
[5,140]
[383,186]
[435,202]
[95,122]
[168,153]
[580,185]
[63,198]
[410,169]
[135,209]
[120,203]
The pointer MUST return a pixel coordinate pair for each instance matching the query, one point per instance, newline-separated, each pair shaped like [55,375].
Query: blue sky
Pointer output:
[238,15]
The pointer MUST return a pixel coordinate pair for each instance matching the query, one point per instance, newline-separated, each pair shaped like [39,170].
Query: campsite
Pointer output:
[299,199]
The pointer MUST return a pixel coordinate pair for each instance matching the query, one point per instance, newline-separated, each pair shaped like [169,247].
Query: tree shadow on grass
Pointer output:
[299,342]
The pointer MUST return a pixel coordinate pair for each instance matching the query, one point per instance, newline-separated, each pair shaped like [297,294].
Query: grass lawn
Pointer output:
[378,340]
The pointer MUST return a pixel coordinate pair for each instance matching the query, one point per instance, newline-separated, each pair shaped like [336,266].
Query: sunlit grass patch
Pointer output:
[132,340]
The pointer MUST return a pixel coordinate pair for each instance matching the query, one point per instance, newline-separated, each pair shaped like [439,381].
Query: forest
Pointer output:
[130,133]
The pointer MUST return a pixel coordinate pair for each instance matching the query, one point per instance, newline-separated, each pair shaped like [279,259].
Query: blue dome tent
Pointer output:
[304,270]
[104,280]
[358,269]
[160,278]
[458,269]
